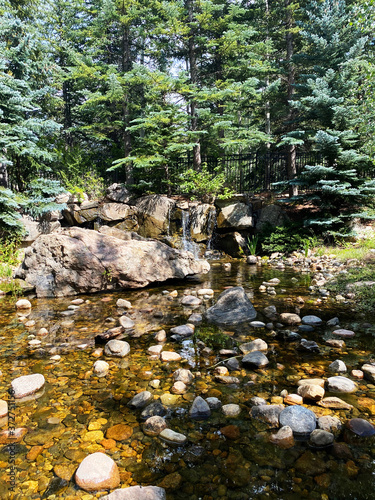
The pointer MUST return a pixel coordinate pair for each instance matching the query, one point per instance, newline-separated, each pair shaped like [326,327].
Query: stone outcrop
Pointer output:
[153,215]
[77,260]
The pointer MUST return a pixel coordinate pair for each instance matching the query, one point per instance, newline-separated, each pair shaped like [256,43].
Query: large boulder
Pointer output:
[236,216]
[202,221]
[233,244]
[154,213]
[232,308]
[77,260]
[272,215]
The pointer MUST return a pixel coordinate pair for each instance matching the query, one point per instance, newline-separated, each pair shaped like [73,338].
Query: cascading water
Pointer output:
[211,225]
[187,243]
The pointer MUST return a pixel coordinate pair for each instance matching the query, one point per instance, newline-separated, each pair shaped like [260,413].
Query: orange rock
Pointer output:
[34,452]
[9,436]
[108,444]
[230,431]
[119,432]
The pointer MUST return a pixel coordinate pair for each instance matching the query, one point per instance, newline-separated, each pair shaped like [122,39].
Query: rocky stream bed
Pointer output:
[129,388]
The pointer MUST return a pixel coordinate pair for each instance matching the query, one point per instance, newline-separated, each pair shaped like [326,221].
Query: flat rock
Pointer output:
[155,350]
[361,427]
[199,410]
[117,348]
[301,420]
[119,432]
[257,324]
[293,399]
[137,493]
[338,344]
[141,399]
[126,322]
[255,359]
[169,356]
[172,437]
[255,345]
[290,319]
[231,410]
[182,330]
[232,308]
[334,403]
[27,385]
[225,379]
[312,392]
[154,426]
[97,472]
[341,384]
[154,409]
[320,438]
[341,332]
[267,413]
[191,300]
[369,372]
[312,320]
[311,381]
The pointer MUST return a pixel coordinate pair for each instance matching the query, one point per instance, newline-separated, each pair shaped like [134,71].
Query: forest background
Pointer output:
[89,86]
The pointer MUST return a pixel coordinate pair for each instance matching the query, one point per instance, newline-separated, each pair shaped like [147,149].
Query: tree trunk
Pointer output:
[291,149]
[267,173]
[3,175]
[197,160]
[125,67]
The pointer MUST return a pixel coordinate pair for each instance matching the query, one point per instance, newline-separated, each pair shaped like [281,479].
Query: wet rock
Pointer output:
[155,384]
[183,330]
[231,410]
[267,413]
[3,408]
[255,345]
[289,336]
[224,379]
[320,438]
[155,350]
[154,426]
[330,424]
[170,399]
[154,409]
[270,312]
[337,366]
[56,486]
[141,399]
[119,432]
[257,401]
[311,381]
[361,427]
[221,370]
[111,334]
[126,322]
[231,432]
[199,410]
[205,291]
[171,482]
[252,260]
[190,300]
[195,319]
[305,328]
[232,308]
[117,348]
[27,385]
[312,320]
[341,384]
[338,344]
[333,322]
[357,374]
[309,345]
[172,437]
[23,304]
[179,388]
[290,319]
[169,356]
[213,403]
[137,493]
[161,336]
[369,372]
[293,399]
[257,324]
[311,464]
[123,304]
[183,375]
[341,332]
[97,472]
[312,392]
[255,359]
[65,471]
[334,403]
[232,364]
[101,368]
[12,436]
[283,437]
[301,420]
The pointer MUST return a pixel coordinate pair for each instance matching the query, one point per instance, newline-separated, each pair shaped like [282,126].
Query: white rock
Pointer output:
[97,472]
[27,384]
[101,368]
[23,304]
[124,304]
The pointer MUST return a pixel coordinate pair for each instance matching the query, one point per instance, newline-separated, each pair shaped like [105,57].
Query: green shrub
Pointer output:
[286,239]
[199,184]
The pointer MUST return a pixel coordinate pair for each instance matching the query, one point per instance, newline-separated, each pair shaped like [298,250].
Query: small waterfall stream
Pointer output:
[187,243]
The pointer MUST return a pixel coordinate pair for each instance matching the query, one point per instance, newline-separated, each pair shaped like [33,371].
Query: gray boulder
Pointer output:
[232,308]
[301,420]
[153,215]
[77,260]
[199,410]
[255,359]
[267,413]
[118,192]
[235,215]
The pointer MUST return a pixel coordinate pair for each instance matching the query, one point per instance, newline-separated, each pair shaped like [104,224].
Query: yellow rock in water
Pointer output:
[93,436]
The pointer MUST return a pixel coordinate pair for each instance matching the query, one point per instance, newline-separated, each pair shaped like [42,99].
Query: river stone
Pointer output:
[293,399]
[232,364]
[117,348]
[154,409]
[213,403]
[311,381]
[341,384]
[77,260]
[161,336]
[178,388]
[126,322]
[199,409]
[231,410]
[330,424]
[182,330]
[3,408]
[341,332]
[123,304]
[301,420]
[369,372]
[257,324]
[232,308]
[312,320]
[225,379]
[27,385]
[308,345]
[283,437]
[137,493]
[257,401]
[154,426]
[190,300]
[97,472]
[267,413]
[320,438]
[256,359]
[290,319]
[169,356]
[311,391]
[23,304]
[101,368]
[338,344]
[172,436]
[195,319]
[119,432]
[141,399]
[334,403]
[155,350]
[255,345]
[305,328]
[183,375]
[361,427]
[337,366]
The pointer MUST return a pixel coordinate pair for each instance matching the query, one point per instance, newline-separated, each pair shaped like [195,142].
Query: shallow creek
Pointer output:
[242,464]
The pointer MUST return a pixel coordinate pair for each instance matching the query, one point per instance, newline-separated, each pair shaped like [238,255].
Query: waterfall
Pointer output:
[211,225]
[187,243]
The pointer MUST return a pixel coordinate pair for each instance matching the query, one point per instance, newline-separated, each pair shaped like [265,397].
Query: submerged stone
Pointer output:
[361,427]
[117,348]
[137,493]
[267,413]
[152,410]
[255,359]
[232,308]
[141,399]
[172,437]
[341,384]
[312,320]
[97,472]
[27,385]
[320,438]
[199,410]
[301,420]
